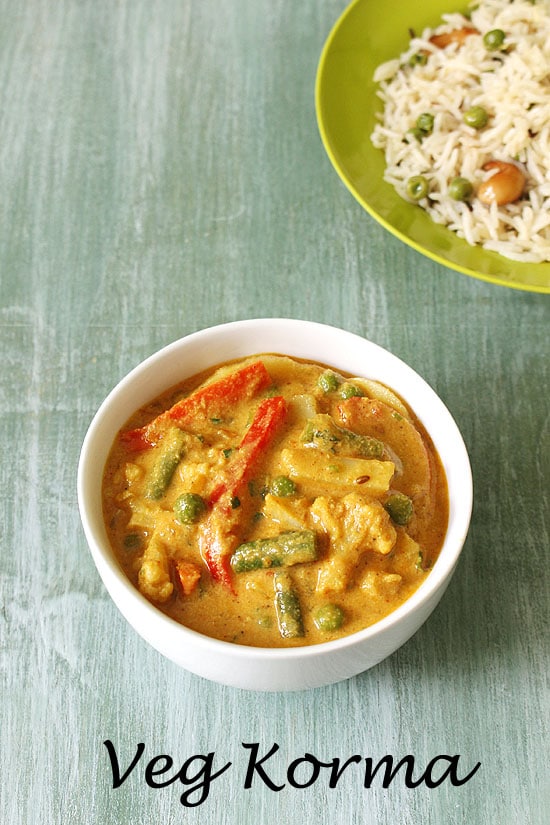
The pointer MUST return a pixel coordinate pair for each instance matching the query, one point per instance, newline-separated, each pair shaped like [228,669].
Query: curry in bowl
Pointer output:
[275,502]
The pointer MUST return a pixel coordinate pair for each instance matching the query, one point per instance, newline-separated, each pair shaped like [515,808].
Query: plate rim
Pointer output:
[396,232]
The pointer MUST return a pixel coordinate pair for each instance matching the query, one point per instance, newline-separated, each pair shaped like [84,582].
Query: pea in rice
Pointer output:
[501,82]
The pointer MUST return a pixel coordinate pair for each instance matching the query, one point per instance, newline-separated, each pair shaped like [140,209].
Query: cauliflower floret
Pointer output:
[353,521]
[354,526]
[379,585]
[154,574]
[133,472]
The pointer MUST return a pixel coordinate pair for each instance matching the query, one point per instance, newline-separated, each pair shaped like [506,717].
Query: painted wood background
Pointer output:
[161,171]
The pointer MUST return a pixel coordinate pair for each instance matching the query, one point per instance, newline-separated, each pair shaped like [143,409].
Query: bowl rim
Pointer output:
[495,279]
[104,556]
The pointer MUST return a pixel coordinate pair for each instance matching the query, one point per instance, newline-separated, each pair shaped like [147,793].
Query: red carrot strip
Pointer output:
[208,402]
[216,397]
[270,414]
[217,543]
[213,547]
[136,440]
[187,575]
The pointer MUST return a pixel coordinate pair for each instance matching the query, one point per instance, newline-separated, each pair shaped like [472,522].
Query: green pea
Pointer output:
[494,40]
[476,117]
[414,134]
[400,508]
[349,391]
[425,122]
[418,59]
[283,486]
[189,507]
[328,381]
[417,187]
[329,617]
[460,189]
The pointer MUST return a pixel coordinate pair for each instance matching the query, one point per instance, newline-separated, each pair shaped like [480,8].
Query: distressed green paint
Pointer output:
[161,171]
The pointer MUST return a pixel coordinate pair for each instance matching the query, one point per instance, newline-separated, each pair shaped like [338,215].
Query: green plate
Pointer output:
[368,33]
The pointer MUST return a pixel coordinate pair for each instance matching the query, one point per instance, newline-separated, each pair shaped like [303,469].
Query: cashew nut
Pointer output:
[455,36]
[505,186]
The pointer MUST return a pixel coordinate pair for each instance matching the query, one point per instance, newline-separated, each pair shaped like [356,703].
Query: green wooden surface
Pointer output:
[161,171]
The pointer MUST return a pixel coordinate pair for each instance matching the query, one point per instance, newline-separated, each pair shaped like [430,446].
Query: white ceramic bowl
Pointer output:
[251,667]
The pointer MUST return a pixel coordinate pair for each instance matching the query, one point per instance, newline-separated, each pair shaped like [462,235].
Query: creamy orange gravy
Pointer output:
[343,448]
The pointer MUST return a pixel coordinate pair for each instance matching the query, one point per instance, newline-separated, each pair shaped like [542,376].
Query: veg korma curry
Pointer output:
[274,502]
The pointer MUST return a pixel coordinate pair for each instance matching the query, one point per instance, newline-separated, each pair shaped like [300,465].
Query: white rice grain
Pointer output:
[513,85]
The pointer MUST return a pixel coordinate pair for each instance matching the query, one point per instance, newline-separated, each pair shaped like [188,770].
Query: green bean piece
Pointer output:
[425,122]
[476,117]
[283,486]
[189,507]
[322,432]
[400,508]
[494,40]
[328,381]
[460,189]
[132,541]
[417,187]
[170,453]
[287,607]
[284,550]
[328,618]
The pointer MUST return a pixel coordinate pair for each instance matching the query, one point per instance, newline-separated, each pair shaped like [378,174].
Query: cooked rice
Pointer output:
[513,85]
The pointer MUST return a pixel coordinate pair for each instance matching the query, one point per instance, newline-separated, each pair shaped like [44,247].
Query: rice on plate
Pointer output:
[465,126]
